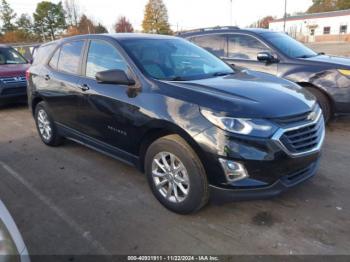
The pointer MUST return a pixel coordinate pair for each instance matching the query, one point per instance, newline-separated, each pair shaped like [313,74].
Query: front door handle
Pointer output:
[84,87]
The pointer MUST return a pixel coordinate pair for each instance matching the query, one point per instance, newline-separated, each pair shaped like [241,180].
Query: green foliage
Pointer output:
[7,15]
[100,29]
[156,18]
[319,6]
[49,19]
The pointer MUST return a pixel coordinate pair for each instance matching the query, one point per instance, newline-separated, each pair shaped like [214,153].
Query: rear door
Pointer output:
[243,51]
[63,83]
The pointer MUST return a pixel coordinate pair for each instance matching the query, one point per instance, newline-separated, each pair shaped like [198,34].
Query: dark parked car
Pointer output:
[13,67]
[327,77]
[179,113]
[12,247]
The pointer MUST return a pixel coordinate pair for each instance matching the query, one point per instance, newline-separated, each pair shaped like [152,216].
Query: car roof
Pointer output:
[227,29]
[118,37]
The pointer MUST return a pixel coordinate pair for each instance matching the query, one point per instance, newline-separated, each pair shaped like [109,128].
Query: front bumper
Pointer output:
[281,185]
[13,91]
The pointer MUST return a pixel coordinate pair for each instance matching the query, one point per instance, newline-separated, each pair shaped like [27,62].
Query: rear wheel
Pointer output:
[46,126]
[176,175]
[324,103]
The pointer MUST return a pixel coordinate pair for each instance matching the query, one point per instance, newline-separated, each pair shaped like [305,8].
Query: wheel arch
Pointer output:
[163,129]
[310,85]
[35,101]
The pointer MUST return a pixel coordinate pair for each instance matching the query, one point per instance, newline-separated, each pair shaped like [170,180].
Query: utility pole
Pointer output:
[231,14]
[285,16]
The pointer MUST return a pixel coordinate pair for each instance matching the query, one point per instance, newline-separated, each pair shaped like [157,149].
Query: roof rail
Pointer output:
[209,29]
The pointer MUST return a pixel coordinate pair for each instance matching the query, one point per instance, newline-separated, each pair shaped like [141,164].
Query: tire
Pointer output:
[324,103]
[46,126]
[190,174]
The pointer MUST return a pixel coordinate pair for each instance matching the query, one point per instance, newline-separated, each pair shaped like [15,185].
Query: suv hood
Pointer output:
[247,94]
[13,70]
[341,62]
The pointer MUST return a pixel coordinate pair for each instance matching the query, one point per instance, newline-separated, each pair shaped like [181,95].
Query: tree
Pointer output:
[265,22]
[123,25]
[25,23]
[86,25]
[156,18]
[7,15]
[319,6]
[49,19]
[73,12]
[100,29]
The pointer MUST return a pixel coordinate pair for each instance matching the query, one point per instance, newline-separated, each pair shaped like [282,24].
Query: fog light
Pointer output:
[234,171]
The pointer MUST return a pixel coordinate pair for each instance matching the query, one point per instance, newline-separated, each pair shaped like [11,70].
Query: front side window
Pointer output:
[215,44]
[102,57]
[244,47]
[70,57]
[10,56]
[327,30]
[174,59]
[288,45]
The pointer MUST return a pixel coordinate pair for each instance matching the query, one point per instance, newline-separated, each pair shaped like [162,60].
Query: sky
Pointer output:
[183,14]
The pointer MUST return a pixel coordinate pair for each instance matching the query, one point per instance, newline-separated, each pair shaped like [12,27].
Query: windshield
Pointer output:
[288,46]
[174,59]
[10,56]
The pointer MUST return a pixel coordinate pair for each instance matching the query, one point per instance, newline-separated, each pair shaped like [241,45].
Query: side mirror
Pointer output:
[266,57]
[116,76]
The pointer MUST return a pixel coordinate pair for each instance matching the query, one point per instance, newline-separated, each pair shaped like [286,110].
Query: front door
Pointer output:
[107,112]
[243,52]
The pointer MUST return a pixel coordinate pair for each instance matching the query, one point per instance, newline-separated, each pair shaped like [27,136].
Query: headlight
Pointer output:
[344,72]
[241,126]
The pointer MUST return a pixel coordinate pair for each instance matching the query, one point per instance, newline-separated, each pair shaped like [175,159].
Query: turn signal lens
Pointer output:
[344,72]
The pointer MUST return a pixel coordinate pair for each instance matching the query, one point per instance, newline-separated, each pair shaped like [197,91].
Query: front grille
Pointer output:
[13,80]
[303,139]
[306,137]
[299,176]
[297,119]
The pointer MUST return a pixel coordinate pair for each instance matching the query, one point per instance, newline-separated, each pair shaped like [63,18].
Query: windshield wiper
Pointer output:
[223,73]
[177,78]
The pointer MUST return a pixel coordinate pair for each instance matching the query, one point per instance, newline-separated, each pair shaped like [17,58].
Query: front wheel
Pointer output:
[176,175]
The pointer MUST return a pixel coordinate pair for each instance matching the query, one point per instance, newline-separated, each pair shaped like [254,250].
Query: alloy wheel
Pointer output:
[44,125]
[170,177]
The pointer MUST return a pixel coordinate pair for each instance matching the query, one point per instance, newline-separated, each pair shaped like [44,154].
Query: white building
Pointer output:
[318,27]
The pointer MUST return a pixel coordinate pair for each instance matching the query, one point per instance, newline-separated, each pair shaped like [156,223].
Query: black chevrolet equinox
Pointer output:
[193,124]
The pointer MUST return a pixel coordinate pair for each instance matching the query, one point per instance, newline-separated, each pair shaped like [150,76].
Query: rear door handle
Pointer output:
[84,87]
[47,77]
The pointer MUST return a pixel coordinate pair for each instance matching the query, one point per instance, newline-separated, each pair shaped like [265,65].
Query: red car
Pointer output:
[13,67]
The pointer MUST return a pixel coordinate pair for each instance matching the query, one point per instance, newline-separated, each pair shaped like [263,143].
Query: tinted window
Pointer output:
[174,59]
[70,57]
[289,46]
[10,56]
[244,47]
[54,60]
[215,44]
[103,56]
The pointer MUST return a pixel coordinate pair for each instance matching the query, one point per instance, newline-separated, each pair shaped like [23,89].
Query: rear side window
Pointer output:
[102,57]
[216,44]
[54,60]
[70,57]
[40,55]
[244,47]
